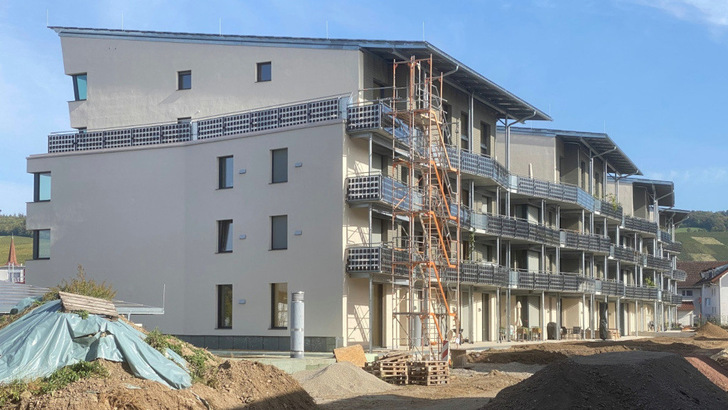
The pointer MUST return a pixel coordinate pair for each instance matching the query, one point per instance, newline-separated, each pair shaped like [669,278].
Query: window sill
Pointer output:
[42,200]
[280,249]
[278,328]
[224,188]
[224,328]
[278,182]
[41,259]
[223,252]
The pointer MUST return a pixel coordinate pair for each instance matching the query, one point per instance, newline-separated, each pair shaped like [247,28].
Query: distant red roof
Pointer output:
[693,270]
[12,259]
[686,307]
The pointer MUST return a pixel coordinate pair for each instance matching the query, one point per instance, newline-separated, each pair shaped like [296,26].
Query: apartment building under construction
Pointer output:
[398,188]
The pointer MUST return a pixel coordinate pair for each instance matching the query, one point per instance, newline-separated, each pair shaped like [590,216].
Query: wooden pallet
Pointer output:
[394,371]
[428,373]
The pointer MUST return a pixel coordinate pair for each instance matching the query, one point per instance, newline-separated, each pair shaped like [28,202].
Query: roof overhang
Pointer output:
[675,215]
[598,144]
[663,191]
[503,102]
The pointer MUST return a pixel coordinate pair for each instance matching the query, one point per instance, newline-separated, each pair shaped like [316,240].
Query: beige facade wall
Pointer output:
[533,156]
[134,82]
[142,219]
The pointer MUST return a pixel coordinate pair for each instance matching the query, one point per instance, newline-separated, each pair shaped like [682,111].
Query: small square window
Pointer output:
[279,232]
[225,236]
[279,159]
[42,244]
[184,80]
[279,305]
[42,187]
[264,72]
[224,306]
[79,87]
[225,172]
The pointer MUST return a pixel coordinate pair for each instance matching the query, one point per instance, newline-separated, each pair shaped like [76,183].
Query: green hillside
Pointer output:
[23,249]
[703,246]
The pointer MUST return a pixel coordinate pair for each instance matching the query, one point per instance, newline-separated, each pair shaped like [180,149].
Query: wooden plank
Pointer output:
[95,306]
[353,354]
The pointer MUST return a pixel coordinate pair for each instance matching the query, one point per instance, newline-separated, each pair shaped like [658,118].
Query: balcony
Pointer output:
[609,210]
[640,225]
[478,165]
[625,254]
[657,263]
[639,292]
[241,123]
[679,275]
[585,242]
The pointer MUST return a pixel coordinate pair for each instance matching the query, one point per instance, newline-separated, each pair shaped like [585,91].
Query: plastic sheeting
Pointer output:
[46,339]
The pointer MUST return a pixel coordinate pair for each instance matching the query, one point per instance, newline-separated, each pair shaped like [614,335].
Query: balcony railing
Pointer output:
[609,210]
[679,275]
[478,165]
[625,254]
[378,188]
[242,123]
[379,260]
[585,242]
[657,263]
[638,224]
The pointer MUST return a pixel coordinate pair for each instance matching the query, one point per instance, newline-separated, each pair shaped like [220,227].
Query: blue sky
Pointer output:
[653,74]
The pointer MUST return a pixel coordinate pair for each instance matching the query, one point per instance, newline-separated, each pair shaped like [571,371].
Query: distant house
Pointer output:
[704,292]
[12,271]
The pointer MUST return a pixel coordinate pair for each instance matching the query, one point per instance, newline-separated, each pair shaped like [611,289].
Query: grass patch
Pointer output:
[196,358]
[12,392]
[703,245]
[81,285]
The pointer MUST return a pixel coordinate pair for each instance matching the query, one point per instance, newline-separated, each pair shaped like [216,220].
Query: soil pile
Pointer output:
[649,380]
[711,331]
[341,379]
[239,384]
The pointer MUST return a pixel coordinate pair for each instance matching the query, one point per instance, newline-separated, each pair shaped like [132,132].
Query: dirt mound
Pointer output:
[240,384]
[649,380]
[340,380]
[711,331]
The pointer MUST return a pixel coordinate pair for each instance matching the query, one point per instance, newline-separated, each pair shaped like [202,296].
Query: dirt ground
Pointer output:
[488,373]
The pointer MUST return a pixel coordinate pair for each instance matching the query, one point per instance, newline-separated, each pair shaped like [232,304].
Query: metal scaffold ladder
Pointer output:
[429,246]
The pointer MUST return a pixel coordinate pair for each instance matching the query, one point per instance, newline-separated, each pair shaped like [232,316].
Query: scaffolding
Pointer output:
[428,247]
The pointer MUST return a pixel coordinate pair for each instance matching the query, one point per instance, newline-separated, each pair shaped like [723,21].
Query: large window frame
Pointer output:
[279,232]
[80,86]
[41,244]
[225,236]
[225,172]
[279,165]
[225,306]
[279,305]
[41,187]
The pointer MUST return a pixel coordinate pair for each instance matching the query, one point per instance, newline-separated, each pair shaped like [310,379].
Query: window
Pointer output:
[184,80]
[225,236]
[687,293]
[224,306]
[79,87]
[280,165]
[42,187]
[464,131]
[279,305]
[42,244]
[225,172]
[707,301]
[484,138]
[184,120]
[264,72]
[279,232]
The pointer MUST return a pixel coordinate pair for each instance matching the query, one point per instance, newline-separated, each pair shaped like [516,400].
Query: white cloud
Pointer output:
[711,12]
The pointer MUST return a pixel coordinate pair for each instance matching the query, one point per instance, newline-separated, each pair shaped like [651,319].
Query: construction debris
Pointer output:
[75,303]
[341,379]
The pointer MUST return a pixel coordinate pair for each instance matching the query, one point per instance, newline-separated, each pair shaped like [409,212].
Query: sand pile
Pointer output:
[711,331]
[649,380]
[340,380]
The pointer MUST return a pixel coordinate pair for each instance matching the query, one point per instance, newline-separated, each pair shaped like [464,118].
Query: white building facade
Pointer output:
[218,174]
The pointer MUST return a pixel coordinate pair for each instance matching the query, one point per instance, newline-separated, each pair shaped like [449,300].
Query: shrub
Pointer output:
[196,359]
[80,285]
[11,392]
